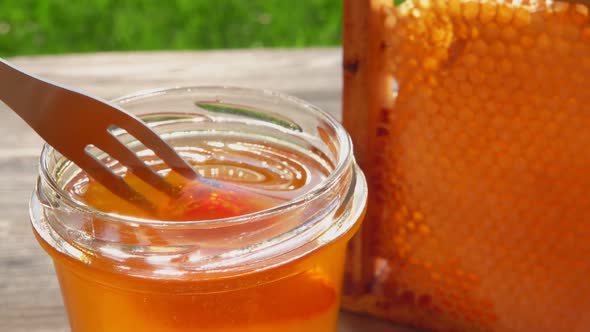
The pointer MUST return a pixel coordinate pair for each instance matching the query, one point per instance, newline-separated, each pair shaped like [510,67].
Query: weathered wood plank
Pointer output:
[313,74]
[29,294]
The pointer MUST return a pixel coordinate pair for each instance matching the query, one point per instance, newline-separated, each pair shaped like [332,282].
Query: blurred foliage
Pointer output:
[59,26]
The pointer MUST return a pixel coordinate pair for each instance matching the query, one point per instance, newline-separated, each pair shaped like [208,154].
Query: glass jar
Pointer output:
[470,120]
[275,269]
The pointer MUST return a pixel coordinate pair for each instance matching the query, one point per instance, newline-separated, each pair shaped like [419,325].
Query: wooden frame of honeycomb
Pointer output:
[366,88]
[356,118]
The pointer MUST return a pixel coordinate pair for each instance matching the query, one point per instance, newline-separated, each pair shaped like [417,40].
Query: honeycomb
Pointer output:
[478,165]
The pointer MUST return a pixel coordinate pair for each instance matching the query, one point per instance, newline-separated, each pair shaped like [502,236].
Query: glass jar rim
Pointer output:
[344,161]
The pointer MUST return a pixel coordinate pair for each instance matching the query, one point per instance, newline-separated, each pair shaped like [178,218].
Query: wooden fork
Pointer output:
[71,122]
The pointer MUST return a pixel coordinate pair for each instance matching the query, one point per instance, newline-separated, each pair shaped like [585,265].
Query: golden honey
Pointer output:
[257,243]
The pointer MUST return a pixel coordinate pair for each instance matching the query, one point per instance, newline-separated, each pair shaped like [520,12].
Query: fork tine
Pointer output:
[154,142]
[111,181]
[128,158]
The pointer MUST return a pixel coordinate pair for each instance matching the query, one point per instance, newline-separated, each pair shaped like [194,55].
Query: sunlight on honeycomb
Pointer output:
[484,188]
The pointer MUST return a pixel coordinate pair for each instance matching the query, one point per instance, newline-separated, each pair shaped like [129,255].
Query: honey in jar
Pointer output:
[256,243]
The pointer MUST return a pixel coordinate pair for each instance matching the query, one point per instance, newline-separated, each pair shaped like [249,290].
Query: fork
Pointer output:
[72,122]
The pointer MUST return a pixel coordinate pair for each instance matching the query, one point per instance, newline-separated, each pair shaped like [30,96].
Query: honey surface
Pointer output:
[482,184]
[302,295]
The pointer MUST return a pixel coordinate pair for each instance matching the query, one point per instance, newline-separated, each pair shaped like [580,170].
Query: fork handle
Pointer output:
[24,93]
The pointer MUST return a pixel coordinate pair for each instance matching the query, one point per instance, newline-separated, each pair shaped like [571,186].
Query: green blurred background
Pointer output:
[64,26]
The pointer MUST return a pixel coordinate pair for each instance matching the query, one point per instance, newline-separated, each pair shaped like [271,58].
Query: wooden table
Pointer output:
[29,294]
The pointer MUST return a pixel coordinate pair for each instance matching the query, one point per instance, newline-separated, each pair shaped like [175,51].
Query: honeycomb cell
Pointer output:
[430,63]
[487,12]
[488,64]
[479,47]
[498,49]
[560,7]
[454,9]
[505,67]
[515,51]
[470,10]
[504,14]
[470,60]
[527,41]
[544,41]
[476,77]
[522,17]
[509,34]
